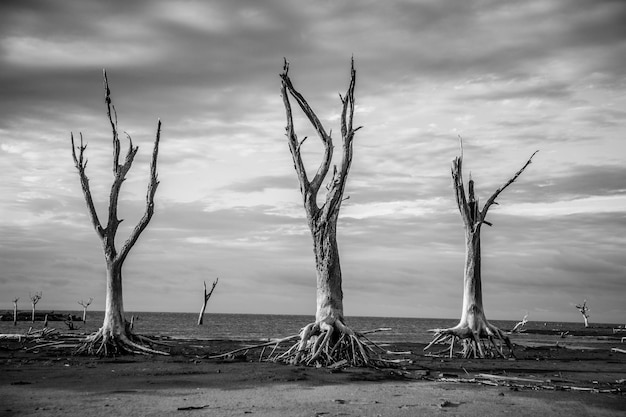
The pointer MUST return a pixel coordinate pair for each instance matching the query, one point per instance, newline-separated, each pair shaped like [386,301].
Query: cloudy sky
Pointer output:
[508,77]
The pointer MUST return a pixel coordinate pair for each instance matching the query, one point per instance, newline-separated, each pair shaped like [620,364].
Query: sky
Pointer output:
[507,77]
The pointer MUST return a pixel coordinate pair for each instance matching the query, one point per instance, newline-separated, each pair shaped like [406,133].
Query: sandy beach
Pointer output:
[543,380]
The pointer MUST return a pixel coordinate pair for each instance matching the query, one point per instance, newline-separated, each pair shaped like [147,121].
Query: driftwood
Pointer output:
[515,382]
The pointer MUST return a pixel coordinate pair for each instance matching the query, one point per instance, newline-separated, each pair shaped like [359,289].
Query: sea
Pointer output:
[266,327]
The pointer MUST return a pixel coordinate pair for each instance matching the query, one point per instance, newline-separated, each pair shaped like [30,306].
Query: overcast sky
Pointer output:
[508,77]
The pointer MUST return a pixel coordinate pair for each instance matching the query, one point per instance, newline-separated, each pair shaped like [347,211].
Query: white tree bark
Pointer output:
[329,327]
[322,220]
[15,300]
[114,335]
[473,325]
[34,299]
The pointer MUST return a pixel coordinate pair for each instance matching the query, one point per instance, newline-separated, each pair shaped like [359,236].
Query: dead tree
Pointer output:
[584,310]
[206,300]
[519,327]
[328,339]
[115,337]
[85,304]
[34,299]
[15,300]
[473,328]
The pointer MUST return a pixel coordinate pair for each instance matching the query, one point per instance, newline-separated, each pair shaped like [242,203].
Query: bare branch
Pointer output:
[459,190]
[335,195]
[110,112]
[35,298]
[503,187]
[86,304]
[313,187]
[208,295]
[152,187]
[294,145]
[81,165]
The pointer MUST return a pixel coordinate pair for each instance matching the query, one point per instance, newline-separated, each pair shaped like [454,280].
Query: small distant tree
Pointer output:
[206,300]
[85,304]
[34,299]
[584,310]
[473,328]
[115,337]
[15,300]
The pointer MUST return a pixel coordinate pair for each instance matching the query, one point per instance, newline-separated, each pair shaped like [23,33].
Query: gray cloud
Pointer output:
[509,78]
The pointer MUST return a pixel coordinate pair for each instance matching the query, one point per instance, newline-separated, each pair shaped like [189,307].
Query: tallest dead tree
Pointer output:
[328,339]
[115,337]
[473,329]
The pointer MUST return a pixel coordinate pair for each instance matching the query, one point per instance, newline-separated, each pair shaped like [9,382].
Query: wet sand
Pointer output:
[572,376]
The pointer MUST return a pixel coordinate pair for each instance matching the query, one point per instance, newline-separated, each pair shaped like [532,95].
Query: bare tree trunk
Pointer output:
[584,310]
[34,299]
[205,301]
[85,304]
[328,271]
[115,336]
[328,339]
[473,326]
[15,300]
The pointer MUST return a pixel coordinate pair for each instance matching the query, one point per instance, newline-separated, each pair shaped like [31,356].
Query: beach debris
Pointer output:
[478,337]
[193,407]
[519,327]
[618,350]
[205,298]
[447,404]
[516,383]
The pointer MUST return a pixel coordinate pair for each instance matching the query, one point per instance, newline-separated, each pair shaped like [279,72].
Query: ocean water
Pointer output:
[266,327]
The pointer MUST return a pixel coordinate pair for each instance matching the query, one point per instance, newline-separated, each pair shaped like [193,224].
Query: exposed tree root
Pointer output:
[322,344]
[485,341]
[104,343]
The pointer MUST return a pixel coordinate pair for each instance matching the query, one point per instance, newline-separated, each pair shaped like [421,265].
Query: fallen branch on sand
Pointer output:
[514,382]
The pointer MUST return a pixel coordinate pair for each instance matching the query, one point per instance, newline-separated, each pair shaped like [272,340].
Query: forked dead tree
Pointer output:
[584,310]
[34,299]
[85,304]
[206,300]
[478,337]
[328,339]
[15,300]
[115,337]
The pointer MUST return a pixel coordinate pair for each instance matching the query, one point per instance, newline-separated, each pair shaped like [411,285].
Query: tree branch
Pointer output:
[335,195]
[313,186]
[110,112]
[492,199]
[81,165]
[459,190]
[208,295]
[152,187]
[294,145]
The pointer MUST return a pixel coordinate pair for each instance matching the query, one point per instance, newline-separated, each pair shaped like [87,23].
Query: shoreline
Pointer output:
[549,379]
